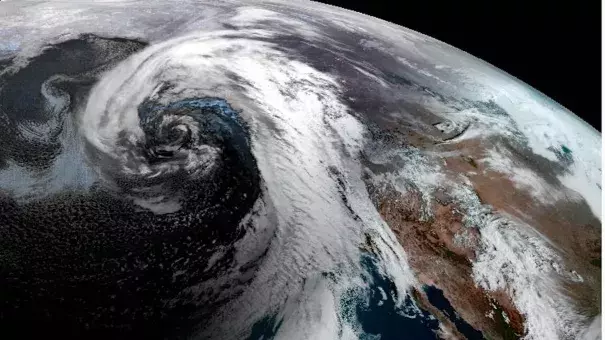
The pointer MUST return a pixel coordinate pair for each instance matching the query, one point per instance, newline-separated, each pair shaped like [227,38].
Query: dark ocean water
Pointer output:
[437,299]
[377,314]
[372,310]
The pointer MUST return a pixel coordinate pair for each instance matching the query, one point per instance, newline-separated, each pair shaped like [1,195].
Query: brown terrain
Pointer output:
[439,262]
[569,225]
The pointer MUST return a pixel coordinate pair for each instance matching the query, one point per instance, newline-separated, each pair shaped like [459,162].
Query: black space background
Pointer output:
[554,46]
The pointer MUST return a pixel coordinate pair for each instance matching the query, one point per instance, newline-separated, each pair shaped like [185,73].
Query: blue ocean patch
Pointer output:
[437,299]
[375,309]
[265,328]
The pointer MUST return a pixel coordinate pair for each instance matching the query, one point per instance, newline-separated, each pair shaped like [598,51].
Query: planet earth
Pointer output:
[282,170]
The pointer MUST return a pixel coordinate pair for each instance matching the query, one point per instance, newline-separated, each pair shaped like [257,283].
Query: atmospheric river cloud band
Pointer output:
[299,119]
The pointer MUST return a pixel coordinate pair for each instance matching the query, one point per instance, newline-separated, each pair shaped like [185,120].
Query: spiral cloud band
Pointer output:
[242,169]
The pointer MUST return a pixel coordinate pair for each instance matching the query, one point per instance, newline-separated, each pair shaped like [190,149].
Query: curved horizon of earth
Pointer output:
[272,170]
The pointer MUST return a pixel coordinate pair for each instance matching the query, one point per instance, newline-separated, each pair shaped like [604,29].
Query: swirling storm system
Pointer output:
[282,170]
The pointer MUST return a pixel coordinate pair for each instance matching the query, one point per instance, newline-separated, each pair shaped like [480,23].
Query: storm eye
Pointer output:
[165,144]
[177,135]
